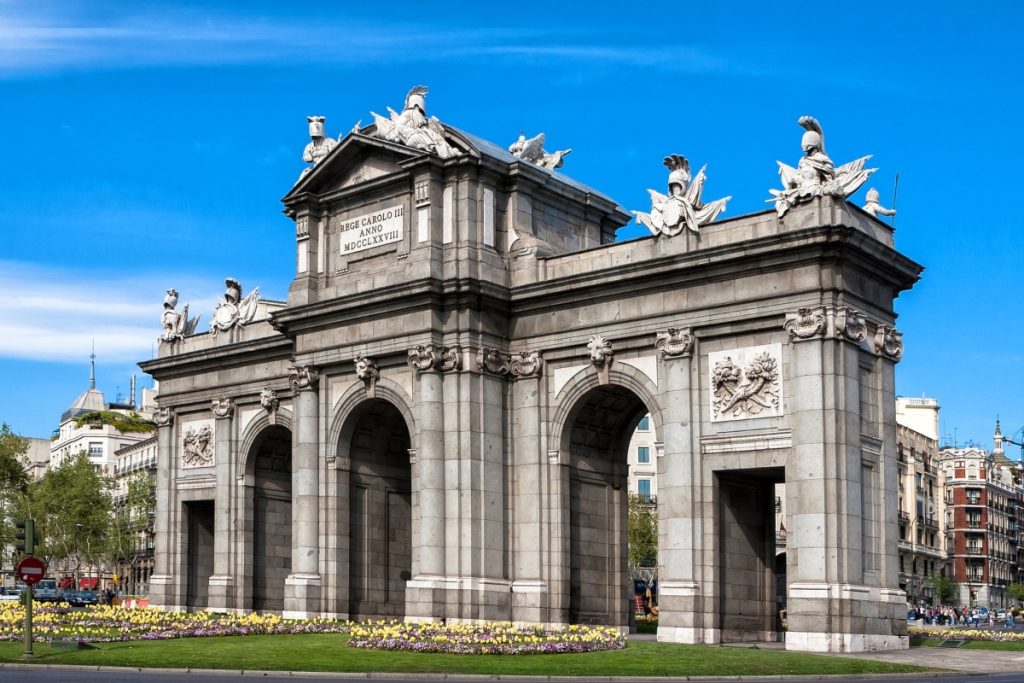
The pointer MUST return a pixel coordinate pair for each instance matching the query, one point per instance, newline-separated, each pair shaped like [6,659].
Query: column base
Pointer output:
[221,593]
[161,588]
[455,599]
[529,601]
[301,596]
[844,642]
[824,617]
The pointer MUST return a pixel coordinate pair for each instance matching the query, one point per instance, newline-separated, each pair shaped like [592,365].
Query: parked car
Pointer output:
[10,595]
[80,598]
[46,591]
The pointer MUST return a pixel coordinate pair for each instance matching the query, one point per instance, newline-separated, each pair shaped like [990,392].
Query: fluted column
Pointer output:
[222,580]
[161,583]
[302,587]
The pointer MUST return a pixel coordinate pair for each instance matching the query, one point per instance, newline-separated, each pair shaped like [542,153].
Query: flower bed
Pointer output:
[103,624]
[490,638]
[966,634]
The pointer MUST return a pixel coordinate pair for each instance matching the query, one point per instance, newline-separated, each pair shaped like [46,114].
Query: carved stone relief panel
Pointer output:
[196,443]
[745,383]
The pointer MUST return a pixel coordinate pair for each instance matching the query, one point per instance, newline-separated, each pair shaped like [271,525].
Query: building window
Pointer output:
[643,489]
[645,424]
[95,448]
[643,455]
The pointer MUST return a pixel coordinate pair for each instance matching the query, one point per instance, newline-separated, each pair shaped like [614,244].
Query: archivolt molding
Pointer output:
[384,389]
[623,375]
[262,421]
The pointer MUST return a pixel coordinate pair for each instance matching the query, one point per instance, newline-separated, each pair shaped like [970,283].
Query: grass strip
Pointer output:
[328,652]
[971,644]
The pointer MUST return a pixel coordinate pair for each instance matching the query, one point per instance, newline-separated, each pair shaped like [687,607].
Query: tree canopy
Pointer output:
[642,532]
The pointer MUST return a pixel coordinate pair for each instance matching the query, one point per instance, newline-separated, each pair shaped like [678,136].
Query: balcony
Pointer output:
[904,517]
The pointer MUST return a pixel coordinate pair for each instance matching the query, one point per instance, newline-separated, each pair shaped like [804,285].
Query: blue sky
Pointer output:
[147,145]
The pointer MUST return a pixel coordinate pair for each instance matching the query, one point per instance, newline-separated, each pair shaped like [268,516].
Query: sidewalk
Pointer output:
[966,661]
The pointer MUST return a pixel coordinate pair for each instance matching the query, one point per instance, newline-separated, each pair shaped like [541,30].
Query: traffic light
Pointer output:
[26,542]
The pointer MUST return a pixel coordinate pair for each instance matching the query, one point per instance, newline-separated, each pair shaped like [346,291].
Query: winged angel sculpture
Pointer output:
[412,128]
[816,175]
[683,206]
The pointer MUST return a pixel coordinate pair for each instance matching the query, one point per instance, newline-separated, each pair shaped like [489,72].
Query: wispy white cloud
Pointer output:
[49,314]
[36,41]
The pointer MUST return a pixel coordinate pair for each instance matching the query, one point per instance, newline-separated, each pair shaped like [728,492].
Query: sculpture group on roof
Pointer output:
[682,208]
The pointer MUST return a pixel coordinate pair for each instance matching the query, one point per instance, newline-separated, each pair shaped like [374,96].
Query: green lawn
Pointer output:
[327,652]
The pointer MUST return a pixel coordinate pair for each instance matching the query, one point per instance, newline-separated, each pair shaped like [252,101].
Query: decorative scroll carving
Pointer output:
[492,361]
[197,446]
[303,378]
[601,355]
[748,387]
[815,175]
[676,343]
[889,342]
[176,325]
[223,408]
[683,207]
[270,402]
[532,150]
[527,364]
[806,323]
[450,359]
[320,145]
[163,417]
[850,324]
[412,127]
[367,372]
[233,310]
[872,205]
[428,357]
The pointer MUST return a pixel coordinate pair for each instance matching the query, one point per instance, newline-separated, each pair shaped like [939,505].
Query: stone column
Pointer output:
[302,587]
[425,591]
[685,613]
[221,591]
[161,582]
[530,588]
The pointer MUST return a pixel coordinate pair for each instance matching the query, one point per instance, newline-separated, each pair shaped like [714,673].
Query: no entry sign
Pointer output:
[31,570]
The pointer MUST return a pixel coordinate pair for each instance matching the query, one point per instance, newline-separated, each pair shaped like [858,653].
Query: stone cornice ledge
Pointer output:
[738,443]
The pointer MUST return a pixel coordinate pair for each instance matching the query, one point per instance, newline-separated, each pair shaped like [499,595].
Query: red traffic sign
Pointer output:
[31,570]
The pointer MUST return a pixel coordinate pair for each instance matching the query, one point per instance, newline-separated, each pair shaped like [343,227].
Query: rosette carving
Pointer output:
[676,343]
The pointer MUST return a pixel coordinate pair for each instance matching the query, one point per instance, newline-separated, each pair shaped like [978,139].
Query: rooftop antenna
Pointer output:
[92,366]
[895,188]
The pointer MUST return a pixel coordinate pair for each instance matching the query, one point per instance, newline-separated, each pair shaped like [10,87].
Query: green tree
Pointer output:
[1016,591]
[72,508]
[13,481]
[642,532]
[945,588]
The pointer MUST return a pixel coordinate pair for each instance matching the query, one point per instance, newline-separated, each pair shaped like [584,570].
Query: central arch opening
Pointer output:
[600,428]
[380,514]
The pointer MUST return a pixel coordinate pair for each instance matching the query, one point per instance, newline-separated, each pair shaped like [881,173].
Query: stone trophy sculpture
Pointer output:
[319,144]
[816,175]
[176,325]
[412,127]
[683,207]
[233,310]
[532,150]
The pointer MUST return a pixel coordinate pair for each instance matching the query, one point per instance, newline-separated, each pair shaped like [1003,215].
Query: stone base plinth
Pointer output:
[221,593]
[845,618]
[433,598]
[301,596]
[161,589]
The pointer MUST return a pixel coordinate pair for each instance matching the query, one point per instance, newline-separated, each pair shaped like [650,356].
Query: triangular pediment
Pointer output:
[356,159]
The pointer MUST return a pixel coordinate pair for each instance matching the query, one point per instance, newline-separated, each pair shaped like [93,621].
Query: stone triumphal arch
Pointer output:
[435,424]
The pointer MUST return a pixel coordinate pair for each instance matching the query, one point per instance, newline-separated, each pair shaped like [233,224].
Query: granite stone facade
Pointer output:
[458,476]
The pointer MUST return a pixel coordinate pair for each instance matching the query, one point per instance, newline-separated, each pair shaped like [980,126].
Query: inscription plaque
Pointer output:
[371,230]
